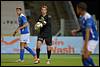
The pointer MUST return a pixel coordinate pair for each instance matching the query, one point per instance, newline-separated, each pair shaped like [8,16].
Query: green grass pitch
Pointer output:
[56,60]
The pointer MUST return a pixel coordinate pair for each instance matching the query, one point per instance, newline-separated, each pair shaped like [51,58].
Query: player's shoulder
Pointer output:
[22,15]
[87,16]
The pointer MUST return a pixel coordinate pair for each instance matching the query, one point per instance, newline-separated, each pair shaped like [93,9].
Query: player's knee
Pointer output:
[25,46]
[90,52]
[48,47]
[39,44]
[22,45]
[85,56]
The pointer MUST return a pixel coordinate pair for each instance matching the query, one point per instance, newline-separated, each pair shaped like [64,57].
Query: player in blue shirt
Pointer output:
[25,33]
[89,32]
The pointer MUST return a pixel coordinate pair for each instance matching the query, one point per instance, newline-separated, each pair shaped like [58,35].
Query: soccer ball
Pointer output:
[38,25]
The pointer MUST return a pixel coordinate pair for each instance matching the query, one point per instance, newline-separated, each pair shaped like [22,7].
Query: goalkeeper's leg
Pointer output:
[48,54]
[49,43]
[38,51]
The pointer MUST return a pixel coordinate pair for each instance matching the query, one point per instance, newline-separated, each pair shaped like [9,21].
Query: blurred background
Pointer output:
[63,15]
[65,47]
[63,19]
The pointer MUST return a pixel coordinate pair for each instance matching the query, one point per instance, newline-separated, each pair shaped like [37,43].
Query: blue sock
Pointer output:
[91,61]
[22,54]
[85,62]
[30,50]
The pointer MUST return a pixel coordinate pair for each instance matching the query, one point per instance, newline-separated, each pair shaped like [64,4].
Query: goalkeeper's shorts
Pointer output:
[48,40]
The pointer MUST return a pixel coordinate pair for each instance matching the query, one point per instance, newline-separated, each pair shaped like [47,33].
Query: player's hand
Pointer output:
[84,49]
[42,20]
[16,32]
[85,53]
[74,32]
[37,26]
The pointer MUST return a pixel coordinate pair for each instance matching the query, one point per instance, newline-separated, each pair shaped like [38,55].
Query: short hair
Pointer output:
[19,8]
[82,5]
[44,6]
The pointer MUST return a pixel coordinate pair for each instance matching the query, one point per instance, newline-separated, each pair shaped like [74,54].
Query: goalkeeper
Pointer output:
[44,24]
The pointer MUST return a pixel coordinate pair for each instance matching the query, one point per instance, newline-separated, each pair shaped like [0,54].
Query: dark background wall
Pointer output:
[92,6]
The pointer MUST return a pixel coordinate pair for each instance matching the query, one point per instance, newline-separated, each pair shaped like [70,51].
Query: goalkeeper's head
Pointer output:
[43,9]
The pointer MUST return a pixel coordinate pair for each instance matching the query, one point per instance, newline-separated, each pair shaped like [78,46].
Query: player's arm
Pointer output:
[37,26]
[75,31]
[25,22]
[86,38]
[25,25]
[15,31]
[88,27]
[21,27]
[78,30]
[42,20]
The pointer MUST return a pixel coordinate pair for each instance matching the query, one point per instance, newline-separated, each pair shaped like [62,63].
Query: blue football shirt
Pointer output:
[87,21]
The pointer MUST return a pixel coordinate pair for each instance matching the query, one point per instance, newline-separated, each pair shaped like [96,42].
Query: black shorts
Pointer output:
[48,40]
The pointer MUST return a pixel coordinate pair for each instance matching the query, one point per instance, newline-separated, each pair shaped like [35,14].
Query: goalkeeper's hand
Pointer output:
[38,25]
[42,20]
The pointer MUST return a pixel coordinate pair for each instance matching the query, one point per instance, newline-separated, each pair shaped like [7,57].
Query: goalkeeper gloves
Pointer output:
[42,20]
[38,25]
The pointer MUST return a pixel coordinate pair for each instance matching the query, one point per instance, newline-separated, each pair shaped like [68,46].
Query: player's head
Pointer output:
[81,8]
[18,10]
[43,9]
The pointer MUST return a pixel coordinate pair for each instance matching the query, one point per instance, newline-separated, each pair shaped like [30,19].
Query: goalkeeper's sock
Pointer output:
[49,53]
[90,61]
[21,54]
[38,52]
[85,62]
[30,50]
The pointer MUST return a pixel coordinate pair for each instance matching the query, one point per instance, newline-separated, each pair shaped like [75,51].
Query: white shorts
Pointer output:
[25,38]
[92,45]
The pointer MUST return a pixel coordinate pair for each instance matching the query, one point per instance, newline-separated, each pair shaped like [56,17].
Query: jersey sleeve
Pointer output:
[88,23]
[24,19]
